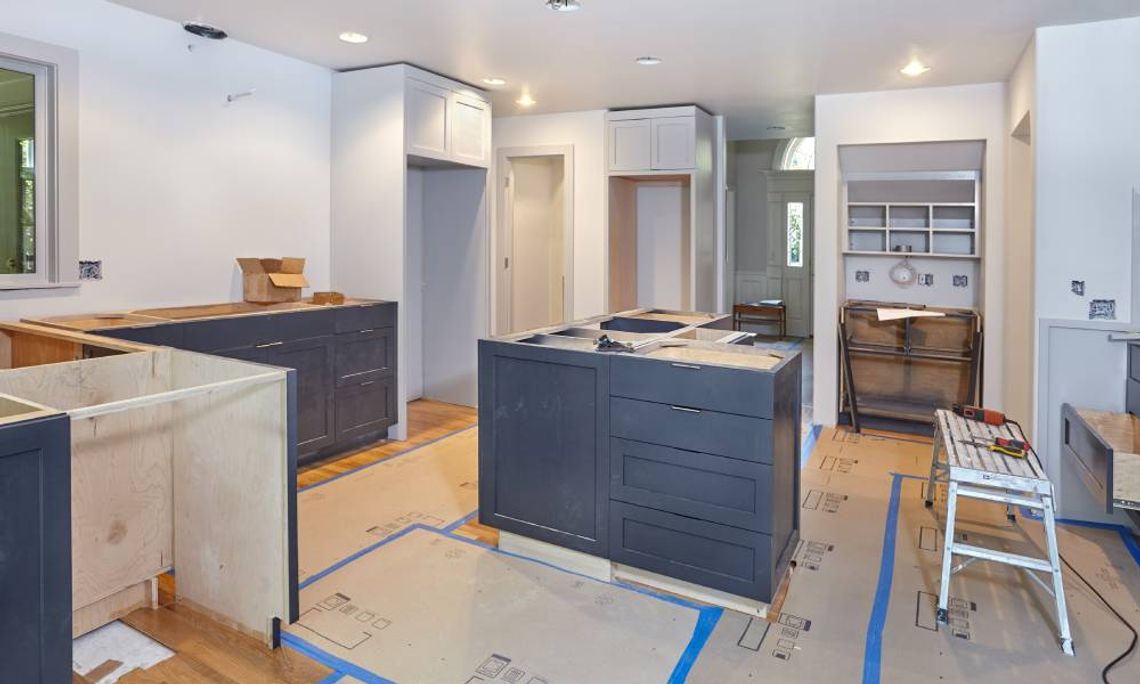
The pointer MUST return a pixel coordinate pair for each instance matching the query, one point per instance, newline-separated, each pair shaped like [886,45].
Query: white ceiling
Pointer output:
[759,62]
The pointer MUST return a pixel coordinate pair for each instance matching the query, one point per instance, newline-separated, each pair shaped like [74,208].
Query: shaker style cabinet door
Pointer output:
[469,130]
[427,119]
[629,145]
[674,143]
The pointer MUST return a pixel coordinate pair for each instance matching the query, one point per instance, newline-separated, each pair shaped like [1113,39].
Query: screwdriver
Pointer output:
[1005,445]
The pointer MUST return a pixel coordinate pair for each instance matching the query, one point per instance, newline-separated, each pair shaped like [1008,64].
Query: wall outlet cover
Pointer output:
[862,276]
[1078,287]
[926,279]
[1102,310]
[91,270]
[961,281]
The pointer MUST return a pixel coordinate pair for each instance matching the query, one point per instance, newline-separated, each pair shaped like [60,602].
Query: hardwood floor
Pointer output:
[206,651]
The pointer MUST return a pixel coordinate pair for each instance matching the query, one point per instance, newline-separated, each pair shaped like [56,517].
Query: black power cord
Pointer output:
[1132,645]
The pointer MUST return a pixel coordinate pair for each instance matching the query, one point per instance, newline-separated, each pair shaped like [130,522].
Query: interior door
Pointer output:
[789,271]
[535,215]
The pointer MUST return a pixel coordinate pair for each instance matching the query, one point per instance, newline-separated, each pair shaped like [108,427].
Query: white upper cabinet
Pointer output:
[649,140]
[427,119]
[630,145]
[447,121]
[470,129]
[674,142]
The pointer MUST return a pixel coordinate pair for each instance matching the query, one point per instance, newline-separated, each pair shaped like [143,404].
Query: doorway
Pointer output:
[535,246]
[790,246]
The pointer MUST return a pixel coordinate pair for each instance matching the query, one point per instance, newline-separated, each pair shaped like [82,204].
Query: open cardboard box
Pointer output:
[266,281]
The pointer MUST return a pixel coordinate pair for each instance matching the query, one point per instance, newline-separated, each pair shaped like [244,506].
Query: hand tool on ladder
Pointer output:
[982,415]
[1003,445]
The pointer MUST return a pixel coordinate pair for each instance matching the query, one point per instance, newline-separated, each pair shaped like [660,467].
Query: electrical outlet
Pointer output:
[1102,310]
[1078,287]
[862,276]
[961,281]
[91,270]
[926,279]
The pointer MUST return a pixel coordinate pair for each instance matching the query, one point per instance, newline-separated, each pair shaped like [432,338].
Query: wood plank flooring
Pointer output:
[206,651]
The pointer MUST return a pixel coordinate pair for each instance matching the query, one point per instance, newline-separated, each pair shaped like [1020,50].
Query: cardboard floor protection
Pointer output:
[855,613]
[435,485]
[429,607]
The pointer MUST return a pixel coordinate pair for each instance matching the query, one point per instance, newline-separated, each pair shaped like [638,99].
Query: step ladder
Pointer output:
[977,473]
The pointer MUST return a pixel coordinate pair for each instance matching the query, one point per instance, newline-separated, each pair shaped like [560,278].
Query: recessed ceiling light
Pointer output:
[914,68]
[648,61]
[353,37]
[564,5]
[204,30]
[494,81]
[526,100]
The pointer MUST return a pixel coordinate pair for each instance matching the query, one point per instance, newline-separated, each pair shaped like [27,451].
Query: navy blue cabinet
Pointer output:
[35,551]
[345,358]
[543,447]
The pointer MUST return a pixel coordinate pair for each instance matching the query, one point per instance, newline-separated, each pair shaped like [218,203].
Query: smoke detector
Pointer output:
[204,30]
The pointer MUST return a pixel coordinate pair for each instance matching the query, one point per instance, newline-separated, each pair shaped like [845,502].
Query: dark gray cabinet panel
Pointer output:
[543,462]
[363,356]
[166,335]
[228,333]
[728,390]
[35,551]
[313,360]
[299,325]
[716,556]
[365,410]
[698,485]
[1132,387]
[365,317]
[722,434]
[640,325]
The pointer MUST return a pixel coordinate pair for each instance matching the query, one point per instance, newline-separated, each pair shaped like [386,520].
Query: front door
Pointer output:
[790,271]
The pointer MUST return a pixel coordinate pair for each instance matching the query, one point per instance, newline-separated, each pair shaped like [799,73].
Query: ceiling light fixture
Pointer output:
[353,37]
[204,30]
[564,5]
[525,100]
[648,61]
[914,68]
[494,81]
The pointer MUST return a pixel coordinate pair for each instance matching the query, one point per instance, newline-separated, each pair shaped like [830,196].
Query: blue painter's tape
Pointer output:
[398,454]
[809,444]
[1124,532]
[873,650]
[461,522]
[342,667]
[332,678]
[363,552]
[706,623]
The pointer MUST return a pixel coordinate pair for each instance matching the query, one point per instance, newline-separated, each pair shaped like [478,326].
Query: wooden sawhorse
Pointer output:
[976,472]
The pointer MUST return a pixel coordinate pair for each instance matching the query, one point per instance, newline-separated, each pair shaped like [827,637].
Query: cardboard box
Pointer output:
[266,281]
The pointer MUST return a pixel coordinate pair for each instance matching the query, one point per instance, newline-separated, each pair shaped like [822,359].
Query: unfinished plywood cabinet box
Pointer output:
[177,460]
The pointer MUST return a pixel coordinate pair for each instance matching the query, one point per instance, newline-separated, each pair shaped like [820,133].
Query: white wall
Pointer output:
[585,131]
[662,212]
[537,242]
[1087,146]
[413,303]
[974,112]
[174,182]
[752,164]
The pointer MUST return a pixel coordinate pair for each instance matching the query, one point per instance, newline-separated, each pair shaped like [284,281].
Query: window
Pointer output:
[38,195]
[799,155]
[795,234]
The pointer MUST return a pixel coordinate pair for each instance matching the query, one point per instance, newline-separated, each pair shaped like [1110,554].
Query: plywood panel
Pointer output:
[230,485]
[623,244]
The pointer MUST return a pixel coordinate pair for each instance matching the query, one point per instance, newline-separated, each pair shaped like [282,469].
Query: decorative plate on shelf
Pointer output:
[903,273]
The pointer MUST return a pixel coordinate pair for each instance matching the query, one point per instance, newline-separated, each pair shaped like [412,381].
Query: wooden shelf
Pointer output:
[899,255]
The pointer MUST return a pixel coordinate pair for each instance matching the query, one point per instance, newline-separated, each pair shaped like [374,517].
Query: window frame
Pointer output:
[787,233]
[56,165]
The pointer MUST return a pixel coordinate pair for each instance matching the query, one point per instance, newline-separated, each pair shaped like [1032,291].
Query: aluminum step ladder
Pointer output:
[977,473]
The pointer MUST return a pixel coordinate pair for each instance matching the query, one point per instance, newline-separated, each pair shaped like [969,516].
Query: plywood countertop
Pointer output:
[140,317]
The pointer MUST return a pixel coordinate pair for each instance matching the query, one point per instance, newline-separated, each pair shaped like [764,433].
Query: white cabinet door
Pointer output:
[674,143]
[629,145]
[470,130]
[426,119]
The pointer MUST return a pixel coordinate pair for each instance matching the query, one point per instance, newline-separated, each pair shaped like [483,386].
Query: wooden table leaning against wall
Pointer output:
[157,459]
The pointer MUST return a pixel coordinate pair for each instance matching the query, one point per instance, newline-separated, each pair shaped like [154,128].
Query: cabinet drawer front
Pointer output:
[728,390]
[351,319]
[712,555]
[722,434]
[228,333]
[365,356]
[302,324]
[697,485]
[365,408]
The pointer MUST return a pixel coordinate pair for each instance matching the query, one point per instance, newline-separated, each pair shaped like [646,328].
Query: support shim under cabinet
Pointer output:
[179,461]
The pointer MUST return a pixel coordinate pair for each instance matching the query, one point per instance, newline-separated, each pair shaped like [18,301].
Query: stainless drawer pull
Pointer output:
[270,344]
[689,366]
[685,409]
[366,384]
[368,330]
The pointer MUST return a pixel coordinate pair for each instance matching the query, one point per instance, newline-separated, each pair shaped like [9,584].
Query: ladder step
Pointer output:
[1000,497]
[1002,557]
